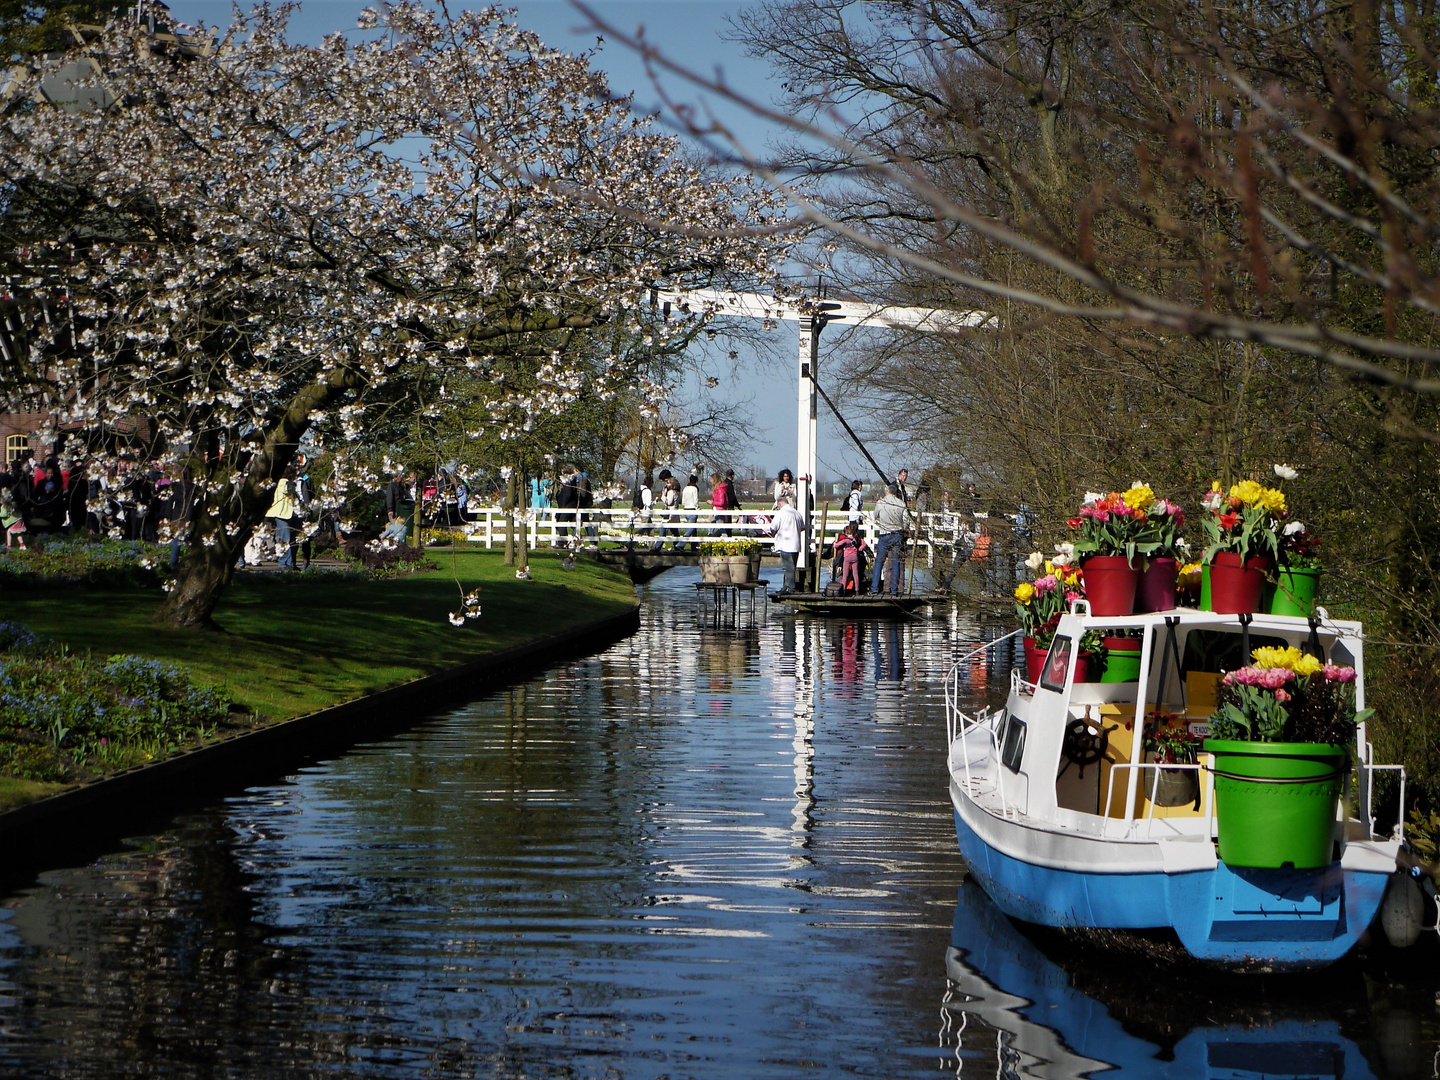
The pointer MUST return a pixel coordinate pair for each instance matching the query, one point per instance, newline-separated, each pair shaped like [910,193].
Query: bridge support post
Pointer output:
[805,458]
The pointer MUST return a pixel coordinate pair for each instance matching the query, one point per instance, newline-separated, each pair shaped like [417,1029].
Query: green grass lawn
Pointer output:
[297,643]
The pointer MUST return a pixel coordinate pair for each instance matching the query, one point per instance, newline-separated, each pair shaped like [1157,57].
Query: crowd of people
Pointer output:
[130,499]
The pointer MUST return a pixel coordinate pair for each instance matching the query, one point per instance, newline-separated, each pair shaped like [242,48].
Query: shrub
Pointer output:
[384,559]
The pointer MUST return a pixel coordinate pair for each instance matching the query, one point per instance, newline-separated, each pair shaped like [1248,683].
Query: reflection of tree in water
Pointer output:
[154,955]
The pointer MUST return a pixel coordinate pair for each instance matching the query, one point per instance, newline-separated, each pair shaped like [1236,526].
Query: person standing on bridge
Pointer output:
[690,504]
[855,501]
[784,488]
[892,520]
[786,529]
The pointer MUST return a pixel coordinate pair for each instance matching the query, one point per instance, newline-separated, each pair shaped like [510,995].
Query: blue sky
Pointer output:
[693,33]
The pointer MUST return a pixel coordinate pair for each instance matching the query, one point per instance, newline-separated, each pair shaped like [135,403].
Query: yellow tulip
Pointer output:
[1139,497]
[1024,592]
[1285,658]
[1307,665]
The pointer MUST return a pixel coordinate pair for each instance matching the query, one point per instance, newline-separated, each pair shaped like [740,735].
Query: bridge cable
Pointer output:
[851,432]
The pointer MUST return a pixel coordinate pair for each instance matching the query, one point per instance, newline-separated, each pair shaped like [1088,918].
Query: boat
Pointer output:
[862,605]
[1056,813]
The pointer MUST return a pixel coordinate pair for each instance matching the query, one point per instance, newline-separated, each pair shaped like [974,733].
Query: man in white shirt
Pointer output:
[785,527]
[690,504]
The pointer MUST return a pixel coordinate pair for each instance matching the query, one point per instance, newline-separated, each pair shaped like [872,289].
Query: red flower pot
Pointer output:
[1157,585]
[1082,667]
[1110,584]
[1235,589]
[1034,662]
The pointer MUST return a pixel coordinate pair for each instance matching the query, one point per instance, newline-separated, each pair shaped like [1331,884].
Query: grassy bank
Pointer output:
[291,644]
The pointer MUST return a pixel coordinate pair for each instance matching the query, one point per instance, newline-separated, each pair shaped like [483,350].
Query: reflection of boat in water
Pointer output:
[1045,1027]
[1061,818]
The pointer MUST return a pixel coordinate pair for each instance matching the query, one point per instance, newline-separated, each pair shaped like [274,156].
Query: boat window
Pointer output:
[1013,747]
[1057,663]
[1220,650]
[1340,656]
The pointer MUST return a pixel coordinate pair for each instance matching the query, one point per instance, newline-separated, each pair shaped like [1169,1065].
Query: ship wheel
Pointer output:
[1084,744]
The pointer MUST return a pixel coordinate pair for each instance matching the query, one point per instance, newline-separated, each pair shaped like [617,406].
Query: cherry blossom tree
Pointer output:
[257,240]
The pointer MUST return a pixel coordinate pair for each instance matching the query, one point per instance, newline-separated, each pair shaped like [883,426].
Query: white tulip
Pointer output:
[1061,560]
[1065,549]
[1092,497]
[1294,527]
[1035,560]
[1285,472]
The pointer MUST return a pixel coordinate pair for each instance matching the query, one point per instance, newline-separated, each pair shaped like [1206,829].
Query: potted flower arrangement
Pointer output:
[1242,527]
[1164,522]
[729,562]
[1298,573]
[1114,534]
[1040,603]
[1280,740]
[1171,742]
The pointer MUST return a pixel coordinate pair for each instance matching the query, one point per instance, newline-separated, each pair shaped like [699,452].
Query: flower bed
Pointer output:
[65,717]
[79,560]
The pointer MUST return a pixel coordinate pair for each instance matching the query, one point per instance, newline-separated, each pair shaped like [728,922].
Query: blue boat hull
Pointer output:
[1274,920]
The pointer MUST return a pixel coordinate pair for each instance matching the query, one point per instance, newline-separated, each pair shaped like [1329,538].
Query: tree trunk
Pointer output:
[201,577]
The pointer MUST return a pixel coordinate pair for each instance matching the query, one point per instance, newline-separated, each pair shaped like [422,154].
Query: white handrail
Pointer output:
[486,524]
[1129,821]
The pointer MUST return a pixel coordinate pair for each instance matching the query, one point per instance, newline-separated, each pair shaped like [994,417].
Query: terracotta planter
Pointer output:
[754,558]
[1157,585]
[714,570]
[1235,589]
[1110,584]
[739,569]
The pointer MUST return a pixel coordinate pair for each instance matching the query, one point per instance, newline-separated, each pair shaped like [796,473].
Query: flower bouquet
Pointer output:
[1040,603]
[1280,743]
[1242,529]
[1114,531]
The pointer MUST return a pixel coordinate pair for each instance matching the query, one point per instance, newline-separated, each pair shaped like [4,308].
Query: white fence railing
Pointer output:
[552,527]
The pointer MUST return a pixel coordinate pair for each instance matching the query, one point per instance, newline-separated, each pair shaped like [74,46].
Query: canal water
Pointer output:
[710,851]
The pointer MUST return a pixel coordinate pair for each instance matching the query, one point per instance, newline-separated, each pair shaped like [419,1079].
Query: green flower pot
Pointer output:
[1122,664]
[1275,802]
[1295,593]
[1205,588]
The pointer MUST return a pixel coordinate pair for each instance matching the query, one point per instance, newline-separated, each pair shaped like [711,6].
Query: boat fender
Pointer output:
[1403,910]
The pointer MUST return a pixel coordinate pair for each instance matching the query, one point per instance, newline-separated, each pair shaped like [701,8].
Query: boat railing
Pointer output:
[982,721]
[953,715]
[1369,788]
[1207,795]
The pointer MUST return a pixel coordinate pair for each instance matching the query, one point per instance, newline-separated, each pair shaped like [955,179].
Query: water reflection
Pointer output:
[709,851]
